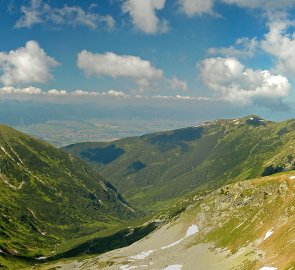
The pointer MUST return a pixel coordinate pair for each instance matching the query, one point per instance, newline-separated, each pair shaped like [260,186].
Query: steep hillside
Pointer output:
[50,201]
[158,167]
[249,225]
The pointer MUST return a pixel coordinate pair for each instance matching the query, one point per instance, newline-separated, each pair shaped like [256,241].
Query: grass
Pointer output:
[177,162]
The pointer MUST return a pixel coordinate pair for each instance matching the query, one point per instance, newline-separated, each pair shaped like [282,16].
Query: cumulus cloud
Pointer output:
[233,82]
[29,64]
[177,84]
[38,12]
[196,7]
[144,17]
[281,45]
[243,47]
[114,65]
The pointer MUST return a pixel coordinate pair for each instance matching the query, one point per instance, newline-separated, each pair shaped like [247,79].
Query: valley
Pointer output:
[247,225]
[218,195]
[154,169]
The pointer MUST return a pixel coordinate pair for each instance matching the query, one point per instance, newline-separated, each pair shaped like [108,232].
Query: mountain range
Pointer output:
[219,195]
[152,170]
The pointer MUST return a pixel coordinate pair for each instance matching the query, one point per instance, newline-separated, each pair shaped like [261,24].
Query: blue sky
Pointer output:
[236,53]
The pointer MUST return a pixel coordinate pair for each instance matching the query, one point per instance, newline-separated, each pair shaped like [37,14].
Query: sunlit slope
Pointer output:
[244,226]
[162,166]
[50,201]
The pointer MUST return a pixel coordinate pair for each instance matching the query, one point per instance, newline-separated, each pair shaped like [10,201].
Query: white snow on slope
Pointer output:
[268,234]
[268,268]
[190,231]
[3,149]
[173,244]
[292,177]
[142,255]
[127,267]
[41,258]
[173,267]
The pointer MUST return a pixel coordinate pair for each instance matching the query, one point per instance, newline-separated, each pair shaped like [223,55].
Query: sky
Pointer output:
[226,56]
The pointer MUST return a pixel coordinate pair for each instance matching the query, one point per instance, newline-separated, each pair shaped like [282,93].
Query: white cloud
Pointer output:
[114,65]
[281,44]
[39,12]
[55,92]
[196,7]
[233,82]
[8,90]
[143,14]
[81,93]
[115,93]
[31,15]
[29,64]
[179,97]
[244,47]
[262,4]
[200,7]
[177,84]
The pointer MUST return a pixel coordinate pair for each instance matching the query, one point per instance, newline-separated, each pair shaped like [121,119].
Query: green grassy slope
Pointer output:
[242,226]
[156,168]
[256,215]
[50,201]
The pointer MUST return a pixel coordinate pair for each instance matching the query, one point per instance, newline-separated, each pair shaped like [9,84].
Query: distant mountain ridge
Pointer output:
[51,201]
[159,167]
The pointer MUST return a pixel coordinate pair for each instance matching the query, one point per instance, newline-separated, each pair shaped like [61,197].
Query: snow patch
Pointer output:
[190,231]
[3,149]
[127,267]
[268,234]
[268,268]
[16,155]
[292,177]
[41,258]
[142,255]
[173,267]
[173,244]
